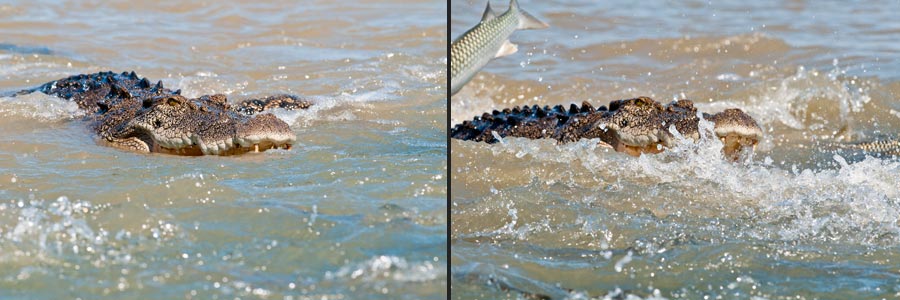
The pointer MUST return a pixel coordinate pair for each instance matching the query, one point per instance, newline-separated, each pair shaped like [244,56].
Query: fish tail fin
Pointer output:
[526,20]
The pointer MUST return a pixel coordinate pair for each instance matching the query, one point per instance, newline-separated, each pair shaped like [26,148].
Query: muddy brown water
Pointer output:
[801,219]
[357,209]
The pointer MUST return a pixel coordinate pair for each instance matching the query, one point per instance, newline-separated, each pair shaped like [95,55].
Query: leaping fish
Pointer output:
[487,40]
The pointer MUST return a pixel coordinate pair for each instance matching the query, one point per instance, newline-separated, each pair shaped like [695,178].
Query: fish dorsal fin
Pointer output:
[506,49]
[488,13]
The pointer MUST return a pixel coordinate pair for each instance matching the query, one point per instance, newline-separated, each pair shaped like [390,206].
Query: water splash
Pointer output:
[388,267]
[56,228]
[853,202]
[39,106]
[788,100]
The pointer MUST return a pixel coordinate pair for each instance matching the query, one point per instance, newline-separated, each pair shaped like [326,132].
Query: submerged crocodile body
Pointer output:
[129,112]
[884,147]
[633,126]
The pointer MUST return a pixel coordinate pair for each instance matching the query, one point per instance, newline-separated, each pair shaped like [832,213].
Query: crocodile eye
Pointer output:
[173,101]
[623,123]
[157,124]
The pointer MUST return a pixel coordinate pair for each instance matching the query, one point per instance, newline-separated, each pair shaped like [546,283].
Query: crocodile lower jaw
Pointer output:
[638,150]
[734,144]
[195,150]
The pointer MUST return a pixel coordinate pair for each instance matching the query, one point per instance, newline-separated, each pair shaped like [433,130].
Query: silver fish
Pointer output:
[487,40]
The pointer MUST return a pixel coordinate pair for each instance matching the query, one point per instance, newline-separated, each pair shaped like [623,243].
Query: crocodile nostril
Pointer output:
[157,124]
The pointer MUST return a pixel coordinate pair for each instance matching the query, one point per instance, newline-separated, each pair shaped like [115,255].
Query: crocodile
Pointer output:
[131,113]
[880,147]
[634,126]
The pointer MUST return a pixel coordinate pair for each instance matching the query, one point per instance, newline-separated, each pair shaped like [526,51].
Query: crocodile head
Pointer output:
[641,125]
[736,129]
[204,126]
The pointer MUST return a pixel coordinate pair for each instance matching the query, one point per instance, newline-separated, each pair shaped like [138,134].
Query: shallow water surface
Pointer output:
[803,218]
[355,210]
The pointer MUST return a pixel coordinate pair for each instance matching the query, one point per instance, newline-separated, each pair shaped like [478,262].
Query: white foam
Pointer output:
[729,77]
[323,107]
[620,264]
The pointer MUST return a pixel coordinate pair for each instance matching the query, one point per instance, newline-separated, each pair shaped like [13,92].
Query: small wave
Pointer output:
[508,280]
[750,44]
[26,49]
[686,48]
[61,229]
[422,72]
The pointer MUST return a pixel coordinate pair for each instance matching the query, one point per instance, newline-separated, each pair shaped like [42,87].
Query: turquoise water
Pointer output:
[357,209]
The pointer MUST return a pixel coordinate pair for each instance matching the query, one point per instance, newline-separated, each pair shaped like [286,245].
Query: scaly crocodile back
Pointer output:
[533,122]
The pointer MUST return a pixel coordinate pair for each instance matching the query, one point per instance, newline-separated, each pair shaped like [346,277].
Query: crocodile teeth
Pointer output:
[203,147]
[256,148]
[213,148]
